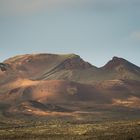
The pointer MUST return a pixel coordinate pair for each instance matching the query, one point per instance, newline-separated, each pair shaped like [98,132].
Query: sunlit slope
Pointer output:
[49,66]
[120,68]
[42,82]
[67,67]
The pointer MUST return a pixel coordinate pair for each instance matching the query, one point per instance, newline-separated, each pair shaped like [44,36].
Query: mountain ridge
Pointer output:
[67,80]
[70,55]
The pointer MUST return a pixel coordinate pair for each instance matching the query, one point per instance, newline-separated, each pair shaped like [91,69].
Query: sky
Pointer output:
[96,30]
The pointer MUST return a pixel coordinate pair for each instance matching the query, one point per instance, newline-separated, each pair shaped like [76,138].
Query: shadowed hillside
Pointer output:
[28,83]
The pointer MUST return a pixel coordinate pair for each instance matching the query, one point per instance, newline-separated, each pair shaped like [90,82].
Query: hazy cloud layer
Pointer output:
[136,35]
[16,7]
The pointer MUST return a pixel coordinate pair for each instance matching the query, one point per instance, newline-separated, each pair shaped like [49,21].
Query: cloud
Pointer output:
[18,7]
[21,7]
[136,35]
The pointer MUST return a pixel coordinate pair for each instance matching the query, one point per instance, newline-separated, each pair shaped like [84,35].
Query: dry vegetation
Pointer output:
[61,130]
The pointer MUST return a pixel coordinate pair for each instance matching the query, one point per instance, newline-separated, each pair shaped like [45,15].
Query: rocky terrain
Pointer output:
[45,85]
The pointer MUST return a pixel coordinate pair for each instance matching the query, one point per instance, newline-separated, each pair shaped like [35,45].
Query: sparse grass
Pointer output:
[69,55]
[58,130]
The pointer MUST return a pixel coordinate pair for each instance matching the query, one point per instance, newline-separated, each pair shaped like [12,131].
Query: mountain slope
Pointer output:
[42,66]
[67,67]
[43,81]
[122,69]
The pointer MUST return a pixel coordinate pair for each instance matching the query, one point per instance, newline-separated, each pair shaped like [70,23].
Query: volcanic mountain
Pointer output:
[37,83]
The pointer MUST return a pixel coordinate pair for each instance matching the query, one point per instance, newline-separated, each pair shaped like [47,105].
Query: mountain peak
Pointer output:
[120,64]
[71,55]
[118,59]
[115,62]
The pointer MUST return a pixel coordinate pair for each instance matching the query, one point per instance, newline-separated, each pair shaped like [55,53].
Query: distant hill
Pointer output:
[52,82]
